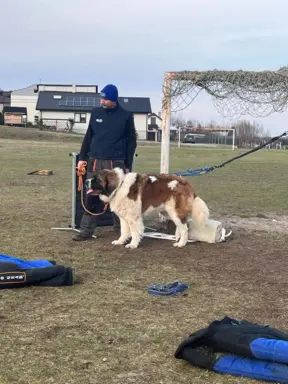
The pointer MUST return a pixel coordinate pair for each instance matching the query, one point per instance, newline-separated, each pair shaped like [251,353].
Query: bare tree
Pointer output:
[249,134]
[178,121]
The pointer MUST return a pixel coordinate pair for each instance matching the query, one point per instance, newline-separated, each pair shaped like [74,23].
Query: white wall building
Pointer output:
[26,98]
[56,104]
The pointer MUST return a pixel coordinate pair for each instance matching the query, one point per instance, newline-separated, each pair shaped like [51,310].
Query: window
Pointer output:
[153,120]
[80,118]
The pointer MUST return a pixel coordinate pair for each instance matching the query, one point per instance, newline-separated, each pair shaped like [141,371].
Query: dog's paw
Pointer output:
[178,245]
[117,242]
[131,246]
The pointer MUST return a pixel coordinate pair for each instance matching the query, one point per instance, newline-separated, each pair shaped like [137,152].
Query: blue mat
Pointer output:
[171,289]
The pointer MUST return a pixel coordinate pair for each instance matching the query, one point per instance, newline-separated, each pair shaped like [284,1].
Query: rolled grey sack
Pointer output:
[211,232]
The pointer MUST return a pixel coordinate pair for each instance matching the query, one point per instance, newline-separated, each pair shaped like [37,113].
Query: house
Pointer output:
[154,124]
[5,99]
[64,105]
[155,128]
[28,97]
[15,116]
[58,108]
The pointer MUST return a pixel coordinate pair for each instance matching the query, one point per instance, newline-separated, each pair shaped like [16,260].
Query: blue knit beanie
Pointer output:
[110,92]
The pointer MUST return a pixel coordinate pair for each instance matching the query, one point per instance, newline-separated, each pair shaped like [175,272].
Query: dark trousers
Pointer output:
[89,223]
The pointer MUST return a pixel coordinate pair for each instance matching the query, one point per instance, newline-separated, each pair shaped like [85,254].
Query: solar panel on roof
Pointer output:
[80,101]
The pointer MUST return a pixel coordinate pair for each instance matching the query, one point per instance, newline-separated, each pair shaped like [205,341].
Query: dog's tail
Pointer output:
[200,211]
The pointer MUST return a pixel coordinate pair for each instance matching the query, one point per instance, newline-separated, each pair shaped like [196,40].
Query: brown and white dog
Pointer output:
[132,196]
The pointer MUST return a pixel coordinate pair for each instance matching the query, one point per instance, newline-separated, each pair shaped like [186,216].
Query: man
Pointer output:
[110,142]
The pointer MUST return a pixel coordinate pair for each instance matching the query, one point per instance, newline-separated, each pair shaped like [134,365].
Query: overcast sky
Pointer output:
[131,43]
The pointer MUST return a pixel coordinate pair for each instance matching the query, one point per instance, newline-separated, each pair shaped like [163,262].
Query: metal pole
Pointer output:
[72,227]
[134,163]
[166,112]
[73,223]
[73,154]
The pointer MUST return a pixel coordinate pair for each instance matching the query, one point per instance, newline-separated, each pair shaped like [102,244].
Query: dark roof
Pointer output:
[154,114]
[136,104]
[77,101]
[22,110]
[153,126]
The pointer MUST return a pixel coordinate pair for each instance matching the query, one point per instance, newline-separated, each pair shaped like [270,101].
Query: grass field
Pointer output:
[106,328]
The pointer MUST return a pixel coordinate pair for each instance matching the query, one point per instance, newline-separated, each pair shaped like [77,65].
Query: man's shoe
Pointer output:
[82,237]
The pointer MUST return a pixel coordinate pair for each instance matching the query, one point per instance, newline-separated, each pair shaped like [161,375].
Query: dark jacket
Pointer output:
[111,135]
[228,336]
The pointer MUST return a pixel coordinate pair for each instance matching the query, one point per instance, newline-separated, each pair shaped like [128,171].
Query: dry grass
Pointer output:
[106,328]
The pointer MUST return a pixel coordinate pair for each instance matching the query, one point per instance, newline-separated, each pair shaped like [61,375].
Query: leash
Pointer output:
[252,150]
[206,169]
[80,173]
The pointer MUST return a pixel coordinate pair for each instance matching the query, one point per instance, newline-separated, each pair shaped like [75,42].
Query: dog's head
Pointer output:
[105,182]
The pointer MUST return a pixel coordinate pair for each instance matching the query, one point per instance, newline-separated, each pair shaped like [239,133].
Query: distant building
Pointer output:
[61,105]
[5,99]
[154,125]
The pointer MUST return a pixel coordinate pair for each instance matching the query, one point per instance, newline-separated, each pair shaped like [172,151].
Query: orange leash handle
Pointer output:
[80,173]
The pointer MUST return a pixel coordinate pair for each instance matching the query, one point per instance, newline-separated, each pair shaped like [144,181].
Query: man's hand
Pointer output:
[81,164]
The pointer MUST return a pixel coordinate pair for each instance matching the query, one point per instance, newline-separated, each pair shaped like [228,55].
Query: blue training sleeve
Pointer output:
[255,369]
[25,264]
[270,350]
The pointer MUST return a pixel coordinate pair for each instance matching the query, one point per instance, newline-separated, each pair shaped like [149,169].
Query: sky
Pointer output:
[132,43]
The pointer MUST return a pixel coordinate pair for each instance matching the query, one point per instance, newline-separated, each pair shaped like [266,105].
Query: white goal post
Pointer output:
[166,122]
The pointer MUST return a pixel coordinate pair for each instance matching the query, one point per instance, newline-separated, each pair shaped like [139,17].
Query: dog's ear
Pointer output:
[100,181]
[111,182]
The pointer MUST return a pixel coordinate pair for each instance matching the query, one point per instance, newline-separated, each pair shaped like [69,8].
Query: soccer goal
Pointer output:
[234,94]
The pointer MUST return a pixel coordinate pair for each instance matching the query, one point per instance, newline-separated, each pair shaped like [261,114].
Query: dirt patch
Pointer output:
[110,330]
[271,223]
[268,223]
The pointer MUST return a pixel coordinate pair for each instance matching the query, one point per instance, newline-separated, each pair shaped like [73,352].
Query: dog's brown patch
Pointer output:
[154,193]
[135,188]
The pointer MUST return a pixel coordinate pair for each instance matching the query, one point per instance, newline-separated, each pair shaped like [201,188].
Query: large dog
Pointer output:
[132,196]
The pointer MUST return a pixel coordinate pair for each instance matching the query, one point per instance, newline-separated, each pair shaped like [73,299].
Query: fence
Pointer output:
[57,125]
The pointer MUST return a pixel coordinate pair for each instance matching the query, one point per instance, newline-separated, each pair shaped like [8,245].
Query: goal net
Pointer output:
[233,93]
